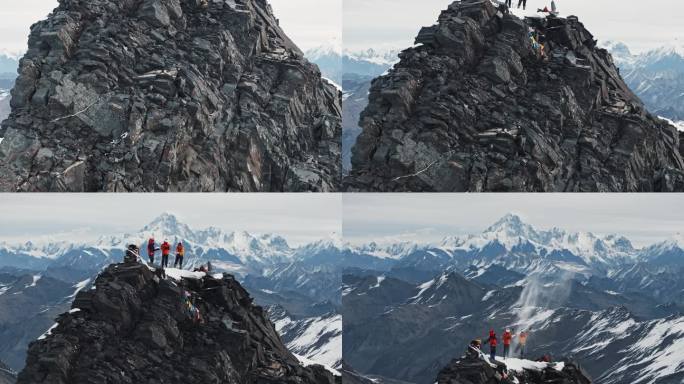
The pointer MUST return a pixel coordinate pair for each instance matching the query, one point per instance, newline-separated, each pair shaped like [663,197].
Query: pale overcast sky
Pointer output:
[395,23]
[300,218]
[310,23]
[427,218]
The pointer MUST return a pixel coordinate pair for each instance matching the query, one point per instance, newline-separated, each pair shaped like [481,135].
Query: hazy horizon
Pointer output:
[299,218]
[645,219]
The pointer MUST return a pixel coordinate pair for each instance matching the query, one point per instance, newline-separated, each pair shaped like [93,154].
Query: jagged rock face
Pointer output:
[477,108]
[7,376]
[169,95]
[133,328]
[477,371]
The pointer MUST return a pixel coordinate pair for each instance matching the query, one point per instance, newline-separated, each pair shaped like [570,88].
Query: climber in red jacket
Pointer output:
[492,345]
[150,250]
[507,337]
[166,249]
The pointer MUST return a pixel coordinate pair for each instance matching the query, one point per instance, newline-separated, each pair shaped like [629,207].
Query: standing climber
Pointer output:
[151,249]
[507,336]
[165,249]
[492,345]
[180,253]
[523,3]
[522,341]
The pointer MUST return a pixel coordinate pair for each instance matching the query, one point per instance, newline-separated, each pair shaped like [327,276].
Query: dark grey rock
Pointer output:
[133,327]
[7,376]
[164,95]
[477,108]
[472,370]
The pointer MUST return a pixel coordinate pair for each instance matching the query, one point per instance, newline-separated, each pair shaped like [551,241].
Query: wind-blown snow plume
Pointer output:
[539,296]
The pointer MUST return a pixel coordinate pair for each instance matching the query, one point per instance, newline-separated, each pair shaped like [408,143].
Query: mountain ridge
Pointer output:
[145,315]
[168,95]
[443,120]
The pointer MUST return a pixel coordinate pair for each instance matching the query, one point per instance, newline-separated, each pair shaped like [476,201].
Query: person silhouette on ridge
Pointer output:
[492,345]
[151,249]
[180,253]
[165,249]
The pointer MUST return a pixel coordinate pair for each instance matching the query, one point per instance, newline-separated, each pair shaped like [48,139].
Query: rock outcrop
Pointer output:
[7,376]
[479,106]
[477,371]
[169,95]
[135,327]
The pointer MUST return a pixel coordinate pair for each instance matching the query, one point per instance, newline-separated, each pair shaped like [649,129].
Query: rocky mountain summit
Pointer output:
[491,102]
[169,95]
[134,327]
[478,371]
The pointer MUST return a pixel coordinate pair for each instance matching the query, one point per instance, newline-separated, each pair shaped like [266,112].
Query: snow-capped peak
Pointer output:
[388,251]
[386,56]
[334,241]
[616,47]
[167,225]
[673,243]
[14,55]
[332,48]
[666,51]
[511,225]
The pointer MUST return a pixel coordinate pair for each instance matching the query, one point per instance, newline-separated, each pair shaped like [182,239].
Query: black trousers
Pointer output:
[506,350]
[178,262]
[508,3]
[523,3]
[165,261]
[151,259]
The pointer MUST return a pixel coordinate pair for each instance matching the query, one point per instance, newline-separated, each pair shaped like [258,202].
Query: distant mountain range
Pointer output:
[616,308]
[336,63]
[656,76]
[409,299]
[8,72]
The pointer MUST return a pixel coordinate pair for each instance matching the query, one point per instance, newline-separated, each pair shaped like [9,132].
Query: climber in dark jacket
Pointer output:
[523,3]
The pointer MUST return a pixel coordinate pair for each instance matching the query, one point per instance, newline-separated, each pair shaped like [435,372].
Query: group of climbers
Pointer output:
[506,338]
[522,3]
[165,249]
[553,10]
